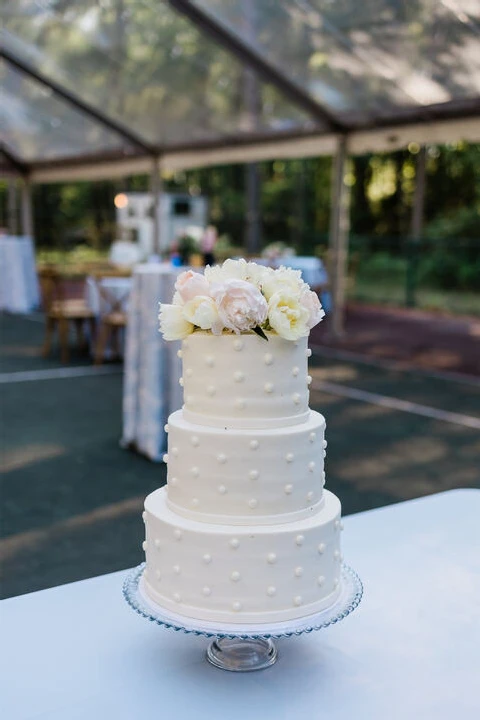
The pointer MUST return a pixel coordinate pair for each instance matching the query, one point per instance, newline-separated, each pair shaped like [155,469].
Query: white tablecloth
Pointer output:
[19,290]
[152,369]
[409,651]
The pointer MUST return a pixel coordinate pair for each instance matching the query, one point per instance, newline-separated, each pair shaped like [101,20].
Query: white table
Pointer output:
[411,650]
[117,288]
[152,369]
[19,290]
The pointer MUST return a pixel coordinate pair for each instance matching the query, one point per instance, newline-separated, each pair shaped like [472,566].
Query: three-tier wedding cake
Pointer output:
[244,531]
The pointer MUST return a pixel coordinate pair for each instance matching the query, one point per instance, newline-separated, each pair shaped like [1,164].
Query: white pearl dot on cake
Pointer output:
[309,379]
[295,371]
[336,524]
[268,387]
[254,444]
[165,458]
[297,600]
[166,428]
[234,543]
[298,571]
[311,466]
[176,569]
[240,403]
[144,545]
[211,390]
[207,591]
[174,451]
[180,382]
[268,358]
[325,444]
[179,354]
[235,576]
[312,437]
[177,533]
[237,606]
[288,489]
[299,540]
[252,503]
[271,558]
[189,372]
[296,398]
[320,580]
[289,457]
[336,555]
[222,458]
[309,352]
[158,574]
[207,558]
[195,502]
[238,344]
[321,548]
[253,474]
[210,360]
[271,590]
[310,496]
[144,516]
[238,376]
[157,543]
[195,471]
[177,597]
[195,441]
[222,489]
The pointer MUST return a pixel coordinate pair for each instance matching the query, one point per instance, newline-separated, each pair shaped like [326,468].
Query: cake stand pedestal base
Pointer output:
[239,655]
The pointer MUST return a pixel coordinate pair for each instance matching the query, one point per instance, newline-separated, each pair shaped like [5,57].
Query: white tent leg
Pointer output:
[27,209]
[419,194]
[339,227]
[156,190]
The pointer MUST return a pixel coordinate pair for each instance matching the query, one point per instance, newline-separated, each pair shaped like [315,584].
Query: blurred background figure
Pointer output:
[209,240]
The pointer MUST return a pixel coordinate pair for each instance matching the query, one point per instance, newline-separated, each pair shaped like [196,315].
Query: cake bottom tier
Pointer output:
[244,574]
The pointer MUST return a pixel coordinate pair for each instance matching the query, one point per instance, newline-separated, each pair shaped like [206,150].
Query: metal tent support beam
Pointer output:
[156,191]
[27,209]
[12,207]
[339,228]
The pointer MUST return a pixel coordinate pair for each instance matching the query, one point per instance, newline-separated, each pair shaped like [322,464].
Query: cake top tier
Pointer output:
[241,297]
[244,381]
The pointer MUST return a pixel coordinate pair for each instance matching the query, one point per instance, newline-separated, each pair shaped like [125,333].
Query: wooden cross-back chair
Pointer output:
[111,321]
[64,305]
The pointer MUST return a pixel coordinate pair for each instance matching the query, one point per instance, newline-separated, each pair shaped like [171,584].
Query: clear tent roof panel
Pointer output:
[370,57]
[144,65]
[36,123]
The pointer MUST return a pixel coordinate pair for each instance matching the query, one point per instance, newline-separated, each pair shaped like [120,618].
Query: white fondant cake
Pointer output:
[244,531]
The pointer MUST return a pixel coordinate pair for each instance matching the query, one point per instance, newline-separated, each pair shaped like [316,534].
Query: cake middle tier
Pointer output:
[245,477]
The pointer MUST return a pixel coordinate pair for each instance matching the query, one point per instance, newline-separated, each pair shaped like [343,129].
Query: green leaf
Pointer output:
[260,332]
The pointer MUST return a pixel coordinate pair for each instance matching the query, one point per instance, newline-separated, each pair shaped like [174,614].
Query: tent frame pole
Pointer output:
[156,191]
[338,240]
[27,209]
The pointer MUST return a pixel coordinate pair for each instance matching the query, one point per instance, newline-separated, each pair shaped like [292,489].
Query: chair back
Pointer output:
[57,288]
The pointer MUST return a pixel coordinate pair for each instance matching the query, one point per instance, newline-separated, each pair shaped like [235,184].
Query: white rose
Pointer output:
[173,325]
[203,312]
[287,316]
[283,279]
[190,284]
[229,270]
[241,306]
[310,301]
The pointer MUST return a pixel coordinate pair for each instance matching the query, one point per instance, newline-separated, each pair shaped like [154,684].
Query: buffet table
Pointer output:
[152,369]
[409,651]
[19,290]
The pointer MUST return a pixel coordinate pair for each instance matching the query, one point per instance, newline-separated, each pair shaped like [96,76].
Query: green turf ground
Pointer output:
[72,498]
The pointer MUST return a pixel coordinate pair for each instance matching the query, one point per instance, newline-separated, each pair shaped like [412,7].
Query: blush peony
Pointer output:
[190,284]
[241,306]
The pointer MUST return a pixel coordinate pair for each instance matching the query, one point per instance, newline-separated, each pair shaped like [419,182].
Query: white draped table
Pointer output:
[152,369]
[19,290]
[411,650]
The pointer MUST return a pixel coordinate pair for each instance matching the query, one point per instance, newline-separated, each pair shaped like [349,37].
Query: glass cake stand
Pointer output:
[239,647]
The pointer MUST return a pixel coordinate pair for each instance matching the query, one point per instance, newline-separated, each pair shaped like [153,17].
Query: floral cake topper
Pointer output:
[240,297]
